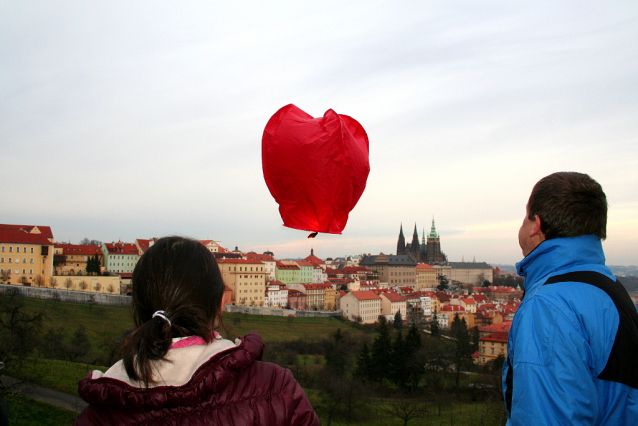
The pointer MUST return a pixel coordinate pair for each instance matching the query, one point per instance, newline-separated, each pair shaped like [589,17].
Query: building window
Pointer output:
[31,249]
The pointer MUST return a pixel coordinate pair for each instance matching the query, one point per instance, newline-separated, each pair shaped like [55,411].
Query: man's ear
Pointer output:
[536,230]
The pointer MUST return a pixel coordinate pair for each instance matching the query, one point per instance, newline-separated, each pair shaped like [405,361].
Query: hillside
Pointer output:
[630,283]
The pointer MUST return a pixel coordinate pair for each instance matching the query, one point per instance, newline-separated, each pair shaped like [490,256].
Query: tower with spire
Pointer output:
[434,255]
[415,249]
[427,251]
[401,242]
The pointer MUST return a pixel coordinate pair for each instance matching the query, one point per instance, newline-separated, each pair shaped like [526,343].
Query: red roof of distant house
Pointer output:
[119,247]
[286,266]
[45,231]
[495,289]
[480,298]
[295,293]
[365,295]
[78,249]
[453,308]
[315,286]
[393,297]
[23,238]
[493,328]
[304,263]
[274,282]
[424,266]
[145,244]
[442,297]
[314,260]
[468,300]
[260,257]
[242,261]
[499,336]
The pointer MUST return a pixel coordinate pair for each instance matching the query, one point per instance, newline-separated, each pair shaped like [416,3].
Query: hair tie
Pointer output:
[161,315]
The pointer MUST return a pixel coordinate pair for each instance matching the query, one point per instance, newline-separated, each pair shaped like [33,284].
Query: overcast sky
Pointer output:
[125,120]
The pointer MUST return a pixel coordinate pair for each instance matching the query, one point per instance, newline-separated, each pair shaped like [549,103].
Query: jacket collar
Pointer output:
[210,378]
[558,255]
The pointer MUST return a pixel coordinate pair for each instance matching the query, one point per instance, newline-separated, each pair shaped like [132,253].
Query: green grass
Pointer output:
[103,322]
[62,376]
[109,322]
[25,411]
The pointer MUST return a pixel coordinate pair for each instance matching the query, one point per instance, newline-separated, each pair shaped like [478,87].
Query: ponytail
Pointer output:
[177,292]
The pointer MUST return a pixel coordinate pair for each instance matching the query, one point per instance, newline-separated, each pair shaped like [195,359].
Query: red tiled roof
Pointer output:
[242,261]
[144,244]
[365,295]
[23,238]
[78,249]
[493,328]
[499,336]
[393,297]
[314,260]
[261,257]
[45,231]
[424,266]
[286,266]
[453,308]
[121,248]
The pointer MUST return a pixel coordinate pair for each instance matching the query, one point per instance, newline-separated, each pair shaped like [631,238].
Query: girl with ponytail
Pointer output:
[176,368]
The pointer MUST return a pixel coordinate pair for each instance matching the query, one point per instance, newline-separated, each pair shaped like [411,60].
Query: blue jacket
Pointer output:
[561,339]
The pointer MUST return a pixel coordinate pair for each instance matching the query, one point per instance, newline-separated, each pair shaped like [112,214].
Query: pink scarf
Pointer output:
[193,341]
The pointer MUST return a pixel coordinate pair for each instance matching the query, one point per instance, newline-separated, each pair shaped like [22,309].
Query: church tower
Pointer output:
[415,250]
[433,253]
[401,242]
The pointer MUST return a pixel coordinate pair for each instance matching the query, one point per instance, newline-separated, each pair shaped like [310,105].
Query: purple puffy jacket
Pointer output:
[232,388]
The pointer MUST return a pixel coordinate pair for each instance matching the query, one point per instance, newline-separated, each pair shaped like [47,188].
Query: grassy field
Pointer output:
[106,323]
[25,411]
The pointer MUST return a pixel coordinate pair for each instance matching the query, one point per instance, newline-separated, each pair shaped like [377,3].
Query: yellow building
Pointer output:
[71,259]
[492,346]
[426,277]
[246,279]
[26,255]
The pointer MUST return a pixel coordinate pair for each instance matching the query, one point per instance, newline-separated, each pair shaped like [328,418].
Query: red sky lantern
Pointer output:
[315,168]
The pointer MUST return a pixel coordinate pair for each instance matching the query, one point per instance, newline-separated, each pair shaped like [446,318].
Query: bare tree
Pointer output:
[19,331]
[68,283]
[53,282]
[38,281]
[110,288]
[5,276]
[83,285]
[405,409]
[97,286]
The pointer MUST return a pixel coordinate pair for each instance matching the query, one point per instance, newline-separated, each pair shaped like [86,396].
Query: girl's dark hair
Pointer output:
[180,277]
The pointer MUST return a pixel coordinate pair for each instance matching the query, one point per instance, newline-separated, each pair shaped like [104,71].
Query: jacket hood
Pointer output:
[559,255]
[210,378]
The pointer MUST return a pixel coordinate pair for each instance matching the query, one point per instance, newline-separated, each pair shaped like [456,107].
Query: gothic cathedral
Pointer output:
[429,252]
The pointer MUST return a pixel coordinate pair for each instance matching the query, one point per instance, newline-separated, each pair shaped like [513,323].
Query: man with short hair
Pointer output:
[572,352]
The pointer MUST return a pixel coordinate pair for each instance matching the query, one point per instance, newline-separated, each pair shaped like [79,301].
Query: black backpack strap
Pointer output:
[621,366]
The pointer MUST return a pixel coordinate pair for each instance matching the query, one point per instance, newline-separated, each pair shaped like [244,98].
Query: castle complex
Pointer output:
[425,252]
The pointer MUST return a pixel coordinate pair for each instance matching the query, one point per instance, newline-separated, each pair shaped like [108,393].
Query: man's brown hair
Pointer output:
[569,204]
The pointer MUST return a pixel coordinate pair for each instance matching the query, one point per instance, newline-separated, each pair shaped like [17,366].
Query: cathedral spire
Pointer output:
[401,242]
[433,233]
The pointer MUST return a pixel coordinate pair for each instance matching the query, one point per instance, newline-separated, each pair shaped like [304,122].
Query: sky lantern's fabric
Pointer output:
[315,168]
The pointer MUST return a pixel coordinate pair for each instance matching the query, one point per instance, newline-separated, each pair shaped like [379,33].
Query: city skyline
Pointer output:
[136,120]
